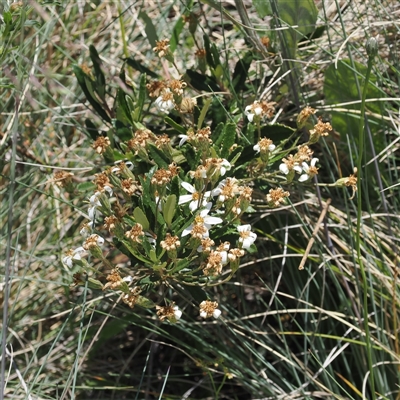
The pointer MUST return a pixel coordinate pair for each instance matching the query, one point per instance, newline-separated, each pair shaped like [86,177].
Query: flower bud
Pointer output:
[372,47]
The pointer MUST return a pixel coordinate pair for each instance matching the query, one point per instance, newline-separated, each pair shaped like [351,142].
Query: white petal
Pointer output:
[305,167]
[185,198]
[271,147]
[298,169]
[258,110]
[187,231]
[184,139]
[190,188]
[203,314]
[284,168]
[212,220]
[194,205]
[216,313]
[91,212]
[67,260]
[94,199]
[224,257]
[303,178]
[109,190]
[256,148]
[100,241]
[244,228]
[78,253]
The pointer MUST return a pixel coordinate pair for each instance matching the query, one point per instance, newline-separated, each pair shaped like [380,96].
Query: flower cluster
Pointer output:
[168,96]
[175,201]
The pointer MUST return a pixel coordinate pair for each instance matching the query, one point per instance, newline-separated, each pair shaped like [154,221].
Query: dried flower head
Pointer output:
[110,222]
[304,116]
[264,146]
[171,313]
[161,177]
[132,297]
[187,105]
[320,129]
[265,40]
[200,53]
[206,245]
[162,47]
[170,242]
[129,186]
[276,197]
[209,309]
[236,253]
[136,233]
[177,86]
[163,141]
[114,280]
[140,139]
[304,153]
[63,178]
[155,88]
[101,144]
[102,181]
[350,181]
[213,266]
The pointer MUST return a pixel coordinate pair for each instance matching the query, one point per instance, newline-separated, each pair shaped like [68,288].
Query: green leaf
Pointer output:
[137,116]
[149,28]
[91,129]
[83,81]
[175,186]
[203,113]
[340,87]
[158,156]
[123,111]
[217,134]
[201,82]
[241,71]
[191,156]
[181,264]
[86,187]
[175,125]
[141,218]
[176,33]
[207,48]
[300,13]
[262,7]
[234,156]
[169,209]
[98,73]
[139,67]
[229,138]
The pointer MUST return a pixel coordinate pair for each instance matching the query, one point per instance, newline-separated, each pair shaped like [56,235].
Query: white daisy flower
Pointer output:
[247,237]
[72,255]
[194,197]
[251,111]
[165,102]
[309,170]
